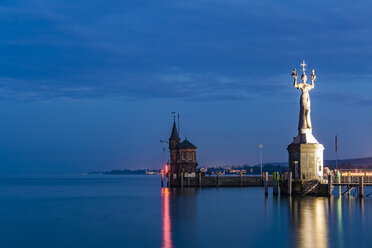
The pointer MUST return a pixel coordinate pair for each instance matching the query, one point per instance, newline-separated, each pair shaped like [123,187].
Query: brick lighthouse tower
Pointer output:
[183,165]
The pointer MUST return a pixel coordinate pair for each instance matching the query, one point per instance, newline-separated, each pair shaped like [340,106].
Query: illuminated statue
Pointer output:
[304,123]
[305,152]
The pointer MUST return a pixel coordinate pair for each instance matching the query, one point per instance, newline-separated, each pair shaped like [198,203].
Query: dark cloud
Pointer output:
[208,49]
[367,102]
[177,85]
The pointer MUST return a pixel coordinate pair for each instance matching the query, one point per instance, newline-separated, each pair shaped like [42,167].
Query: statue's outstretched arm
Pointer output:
[294,75]
[313,77]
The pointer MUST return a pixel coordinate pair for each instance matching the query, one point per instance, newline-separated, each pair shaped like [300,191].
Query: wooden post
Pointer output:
[275,186]
[241,179]
[278,182]
[162,178]
[266,183]
[339,182]
[182,179]
[289,183]
[218,174]
[361,187]
[330,185]
[200,179]
[168,179]
[188,182]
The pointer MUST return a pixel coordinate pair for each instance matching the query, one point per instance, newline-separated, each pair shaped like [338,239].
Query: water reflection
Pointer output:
[196,217]
[167,229]
[318,221]
[340,231]
[178,216]
[309,218]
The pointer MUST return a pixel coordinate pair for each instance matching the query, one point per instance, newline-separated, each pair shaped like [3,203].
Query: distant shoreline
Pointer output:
[120,172]
[357,163]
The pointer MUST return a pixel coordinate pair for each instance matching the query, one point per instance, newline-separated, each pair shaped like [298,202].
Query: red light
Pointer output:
[166,169]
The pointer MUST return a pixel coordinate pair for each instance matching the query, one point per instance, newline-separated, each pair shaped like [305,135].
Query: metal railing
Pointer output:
[351,179]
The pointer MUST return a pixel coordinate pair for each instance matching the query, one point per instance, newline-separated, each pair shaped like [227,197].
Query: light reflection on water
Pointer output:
[311,221]
[167,232]
[132,211]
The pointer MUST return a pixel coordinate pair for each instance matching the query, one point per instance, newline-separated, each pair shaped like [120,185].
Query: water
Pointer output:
[133,211]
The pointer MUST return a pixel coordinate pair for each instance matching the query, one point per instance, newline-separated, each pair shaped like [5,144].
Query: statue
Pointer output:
[304,121]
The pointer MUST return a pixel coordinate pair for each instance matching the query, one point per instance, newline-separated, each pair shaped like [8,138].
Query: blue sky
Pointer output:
[90,85]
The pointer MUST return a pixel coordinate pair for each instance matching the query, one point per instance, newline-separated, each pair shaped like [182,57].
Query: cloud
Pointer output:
[174,85]
[366,102]
[231,50]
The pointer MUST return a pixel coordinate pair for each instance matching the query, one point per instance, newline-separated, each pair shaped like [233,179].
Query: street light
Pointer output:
[260,146]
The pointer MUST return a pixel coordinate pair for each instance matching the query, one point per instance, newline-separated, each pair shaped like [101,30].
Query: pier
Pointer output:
[282,184]
[324,187]
[352,180]
[199,180]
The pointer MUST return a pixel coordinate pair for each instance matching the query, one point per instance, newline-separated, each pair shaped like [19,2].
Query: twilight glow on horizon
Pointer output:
[91,85]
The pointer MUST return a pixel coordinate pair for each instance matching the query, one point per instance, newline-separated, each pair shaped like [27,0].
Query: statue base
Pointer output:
[306,157]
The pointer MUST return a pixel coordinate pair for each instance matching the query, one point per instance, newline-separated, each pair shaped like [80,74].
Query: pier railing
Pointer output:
[347,178]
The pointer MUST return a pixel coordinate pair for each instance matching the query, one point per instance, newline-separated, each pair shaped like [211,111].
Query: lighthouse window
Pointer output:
[190,155]
[183,156]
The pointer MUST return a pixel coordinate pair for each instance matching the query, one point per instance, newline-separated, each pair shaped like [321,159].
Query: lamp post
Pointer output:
[260,146]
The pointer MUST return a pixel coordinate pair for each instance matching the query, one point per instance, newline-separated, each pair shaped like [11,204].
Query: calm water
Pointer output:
[133,211]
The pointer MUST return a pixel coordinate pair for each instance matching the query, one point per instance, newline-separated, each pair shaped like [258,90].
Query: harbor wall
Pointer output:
[218,181]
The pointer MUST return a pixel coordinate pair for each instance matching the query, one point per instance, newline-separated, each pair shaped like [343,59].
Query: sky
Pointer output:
[90,85]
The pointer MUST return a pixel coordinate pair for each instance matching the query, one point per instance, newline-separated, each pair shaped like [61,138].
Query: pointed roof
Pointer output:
[185,144]
[174,135]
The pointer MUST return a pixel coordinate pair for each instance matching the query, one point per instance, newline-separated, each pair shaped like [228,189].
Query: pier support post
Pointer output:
[182,179]
[275,187]
[200,179]
[241,179]
[289,183]
[162,178]
[361,187]
[168,179]
[266,184]
[330,185]
[218,175]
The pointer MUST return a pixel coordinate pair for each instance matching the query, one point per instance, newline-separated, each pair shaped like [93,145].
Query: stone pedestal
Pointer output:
[306,156]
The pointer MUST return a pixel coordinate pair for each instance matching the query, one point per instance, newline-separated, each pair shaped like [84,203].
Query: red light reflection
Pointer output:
[167,229]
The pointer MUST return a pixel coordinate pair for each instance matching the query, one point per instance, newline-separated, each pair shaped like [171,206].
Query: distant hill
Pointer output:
[351,162]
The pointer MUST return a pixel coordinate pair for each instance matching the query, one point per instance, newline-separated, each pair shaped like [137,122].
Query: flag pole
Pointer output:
[336,152]
[338,172]
[260,146]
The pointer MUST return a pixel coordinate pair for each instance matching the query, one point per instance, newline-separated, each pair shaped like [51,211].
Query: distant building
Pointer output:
[182,156]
